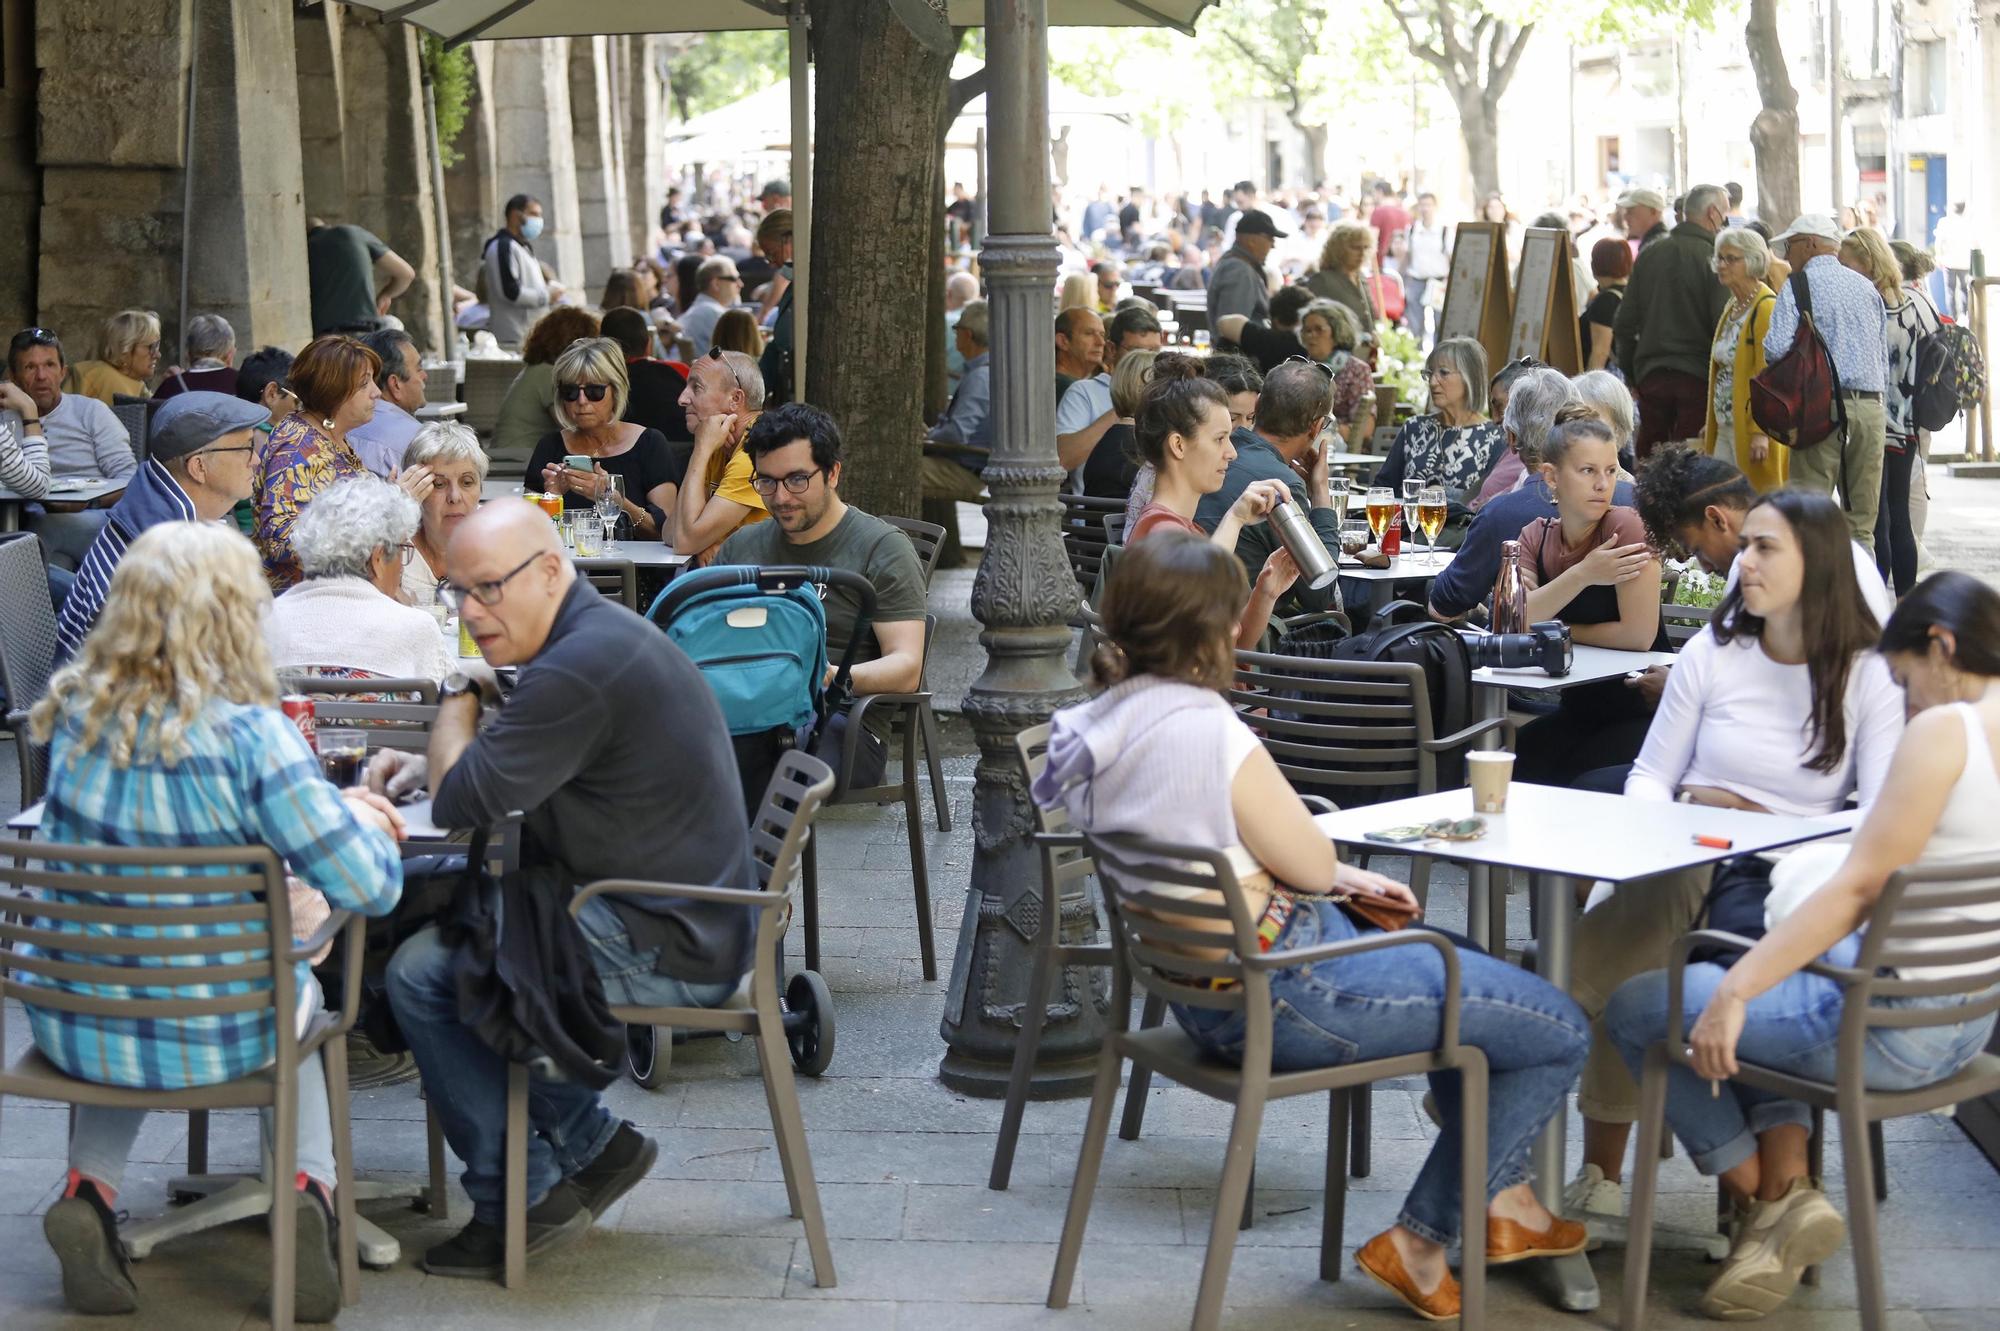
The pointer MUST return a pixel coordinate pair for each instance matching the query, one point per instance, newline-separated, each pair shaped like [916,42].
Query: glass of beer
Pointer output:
[343,756]
[1381,507]
[1430,516]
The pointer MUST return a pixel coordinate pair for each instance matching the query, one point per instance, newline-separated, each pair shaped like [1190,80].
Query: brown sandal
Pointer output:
[1383,1264]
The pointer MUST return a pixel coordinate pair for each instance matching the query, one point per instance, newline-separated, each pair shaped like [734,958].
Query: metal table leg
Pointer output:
[1574,1283]
[1480,911]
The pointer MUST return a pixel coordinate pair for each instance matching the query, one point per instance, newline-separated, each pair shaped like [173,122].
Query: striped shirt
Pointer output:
[153,497]
[246,779]
[24,459]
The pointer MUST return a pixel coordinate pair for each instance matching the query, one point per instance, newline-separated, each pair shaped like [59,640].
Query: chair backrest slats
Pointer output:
[27,622]
[154,916]
[797,788]
[1339,725]
[92,972]
[138,1009]
[113,945]
[1920,907]
[928,537]
[1133,871]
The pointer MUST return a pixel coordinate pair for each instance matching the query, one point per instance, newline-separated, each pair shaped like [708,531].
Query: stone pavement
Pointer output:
[918,1239]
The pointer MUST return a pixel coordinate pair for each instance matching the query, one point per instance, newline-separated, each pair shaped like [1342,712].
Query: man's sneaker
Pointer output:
[316,1289]
[1591,1194]
[83,1230]
[622,1163]
[1777,1243]
[479,1251]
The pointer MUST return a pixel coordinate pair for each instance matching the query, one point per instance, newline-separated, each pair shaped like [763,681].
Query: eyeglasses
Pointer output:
[486,593]
[571,392]
[796,482]
[1321,366]
[244,448]
[1439,372]
[408,553]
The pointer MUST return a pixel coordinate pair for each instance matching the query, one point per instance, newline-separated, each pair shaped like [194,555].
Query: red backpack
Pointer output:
[1796,400]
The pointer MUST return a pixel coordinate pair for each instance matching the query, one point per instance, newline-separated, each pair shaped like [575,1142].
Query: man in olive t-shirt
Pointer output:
[795,455]
[353,276]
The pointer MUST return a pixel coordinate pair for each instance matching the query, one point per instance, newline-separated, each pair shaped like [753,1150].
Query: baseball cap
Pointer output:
[781,188]
[195,419]
[1257,222]
[1809,224]
[1643,198]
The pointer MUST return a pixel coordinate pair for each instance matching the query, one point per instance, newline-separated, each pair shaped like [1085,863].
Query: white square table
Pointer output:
[1403,568]
[644,554]
[1563,837]
[66,490]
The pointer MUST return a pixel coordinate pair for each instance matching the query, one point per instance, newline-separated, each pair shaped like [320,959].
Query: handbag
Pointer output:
[1796,400]
[1366,908]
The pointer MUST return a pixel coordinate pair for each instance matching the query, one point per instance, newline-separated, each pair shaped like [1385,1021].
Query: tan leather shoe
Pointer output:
[1507,1241]
[1380,1260]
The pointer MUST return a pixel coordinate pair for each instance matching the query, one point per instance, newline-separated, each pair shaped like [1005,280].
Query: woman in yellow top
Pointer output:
[128,351]
[1741,262]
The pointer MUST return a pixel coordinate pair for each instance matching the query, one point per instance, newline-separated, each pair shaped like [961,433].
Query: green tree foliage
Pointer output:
[450,74]
[1287,50]
[714,69]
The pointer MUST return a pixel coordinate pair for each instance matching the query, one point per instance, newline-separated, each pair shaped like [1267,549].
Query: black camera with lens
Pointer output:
[1545,646]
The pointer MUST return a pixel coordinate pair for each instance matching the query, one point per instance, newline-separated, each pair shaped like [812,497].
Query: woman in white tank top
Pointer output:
[1943,646]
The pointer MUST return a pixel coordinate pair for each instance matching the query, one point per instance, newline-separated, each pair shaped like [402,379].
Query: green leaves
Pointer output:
[450,74]
[714,69]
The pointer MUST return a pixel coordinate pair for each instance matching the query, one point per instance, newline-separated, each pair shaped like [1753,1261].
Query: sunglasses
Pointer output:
[1321,366]
[571,392]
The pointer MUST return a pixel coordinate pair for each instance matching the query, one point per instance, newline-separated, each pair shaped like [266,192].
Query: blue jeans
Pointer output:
[1382,1004]
[1793,1027]
[467,1082]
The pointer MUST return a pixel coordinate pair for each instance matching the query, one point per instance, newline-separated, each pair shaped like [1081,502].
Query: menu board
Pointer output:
[1477,302]
[1544,319]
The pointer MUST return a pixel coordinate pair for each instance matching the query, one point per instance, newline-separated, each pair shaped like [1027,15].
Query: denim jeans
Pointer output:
[1381,1004]
[467,1082]
[1793,1027]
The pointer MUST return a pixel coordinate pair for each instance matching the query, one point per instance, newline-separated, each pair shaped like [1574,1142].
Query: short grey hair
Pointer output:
[972,321]
[1742,240]
[1345,327]
[1604,393]
[445,442]
[743,369]
[1531,410]
[209,337]
[1702,198]
[1468,357]
[348,522]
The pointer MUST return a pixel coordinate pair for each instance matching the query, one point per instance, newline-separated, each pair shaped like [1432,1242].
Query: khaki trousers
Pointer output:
[1851,463]
[945,479]
[1625,936]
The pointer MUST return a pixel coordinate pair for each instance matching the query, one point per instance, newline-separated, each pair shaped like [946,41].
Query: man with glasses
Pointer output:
[614,747]
[796,452]
[724,394]
[721,287]
[197,468]
[1664,333]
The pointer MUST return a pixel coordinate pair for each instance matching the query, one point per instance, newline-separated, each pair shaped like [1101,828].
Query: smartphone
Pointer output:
[1399,836]
[578,462]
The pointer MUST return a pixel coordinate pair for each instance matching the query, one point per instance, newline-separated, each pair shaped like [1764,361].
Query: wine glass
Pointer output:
[1430,516]
[1353,537]
[1381,507]
[609,505]
[1337,487]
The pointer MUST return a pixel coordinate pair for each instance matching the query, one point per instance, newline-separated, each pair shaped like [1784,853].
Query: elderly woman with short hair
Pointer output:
[1606,394]
[1332,336]
[458,469]
[128,352]
[347,618]
[211,353]
[591,389]
[1742,260]
[1455,444]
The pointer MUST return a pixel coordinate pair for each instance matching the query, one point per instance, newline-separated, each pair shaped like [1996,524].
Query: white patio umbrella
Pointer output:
[468,20]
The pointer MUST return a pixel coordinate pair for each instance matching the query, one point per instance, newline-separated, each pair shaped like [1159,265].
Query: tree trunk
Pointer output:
[879,95]
[1774,134]
[1482,144]
[1315,137]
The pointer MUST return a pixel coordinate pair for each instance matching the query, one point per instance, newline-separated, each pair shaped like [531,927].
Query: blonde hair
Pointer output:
[182,626]
[1339,239]
[1079,290]
[1129,380]
[592,360]
[1865,247]
[125,332]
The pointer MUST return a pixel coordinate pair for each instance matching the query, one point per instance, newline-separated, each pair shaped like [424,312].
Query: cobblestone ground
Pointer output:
[918,1239]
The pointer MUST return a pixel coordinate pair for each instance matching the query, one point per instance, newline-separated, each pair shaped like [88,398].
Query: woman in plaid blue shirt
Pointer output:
[164,732]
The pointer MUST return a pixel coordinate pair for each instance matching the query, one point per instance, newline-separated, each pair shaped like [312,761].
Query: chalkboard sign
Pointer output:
[1544,323]
[1477,302]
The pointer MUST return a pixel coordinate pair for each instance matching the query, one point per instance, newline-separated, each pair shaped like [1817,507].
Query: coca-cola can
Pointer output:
[300,712]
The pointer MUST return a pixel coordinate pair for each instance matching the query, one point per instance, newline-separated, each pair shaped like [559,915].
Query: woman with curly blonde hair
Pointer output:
[1342,276]
[163,733]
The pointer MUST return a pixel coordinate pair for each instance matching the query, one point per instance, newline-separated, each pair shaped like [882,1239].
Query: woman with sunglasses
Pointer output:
[591,389]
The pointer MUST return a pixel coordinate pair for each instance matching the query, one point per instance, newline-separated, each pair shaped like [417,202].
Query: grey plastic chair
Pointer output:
[396,713]
[616,578]
[1149,949]
[136,415]
[1903,930]
[929,539]
[783,823]
[226,898]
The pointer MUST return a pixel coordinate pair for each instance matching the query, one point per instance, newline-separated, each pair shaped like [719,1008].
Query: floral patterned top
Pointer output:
[1457,458]
[1723,395]
[1353,382]
[296,462]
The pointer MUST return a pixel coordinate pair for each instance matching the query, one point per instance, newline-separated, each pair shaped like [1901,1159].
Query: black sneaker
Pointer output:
[622,1163]
[316,1289]
[479,1251]
[83,1230]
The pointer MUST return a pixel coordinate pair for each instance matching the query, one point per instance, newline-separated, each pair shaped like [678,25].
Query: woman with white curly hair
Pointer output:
[346,618]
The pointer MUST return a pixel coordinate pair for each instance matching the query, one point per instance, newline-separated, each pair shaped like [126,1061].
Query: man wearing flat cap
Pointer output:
[1645,213]
[198,449]
[1664,332]
[1239,285]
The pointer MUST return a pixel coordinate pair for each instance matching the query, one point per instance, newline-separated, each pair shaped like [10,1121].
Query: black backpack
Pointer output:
[1948,376]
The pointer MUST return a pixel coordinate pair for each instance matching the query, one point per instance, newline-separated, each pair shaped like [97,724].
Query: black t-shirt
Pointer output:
[1602,311]
[1270,347]
[644,465]
[340,269]
[1110,469]
[655,402]
[1128,217]
[755,272]
[614,746]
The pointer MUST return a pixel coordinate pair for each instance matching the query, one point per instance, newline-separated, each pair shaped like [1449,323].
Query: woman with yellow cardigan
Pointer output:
[1741,262]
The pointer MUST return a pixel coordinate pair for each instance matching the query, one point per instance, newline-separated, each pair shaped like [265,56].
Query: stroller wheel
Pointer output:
[649,1053]
[810,1032]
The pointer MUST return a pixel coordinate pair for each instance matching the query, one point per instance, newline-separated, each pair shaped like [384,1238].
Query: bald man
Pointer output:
[615,748]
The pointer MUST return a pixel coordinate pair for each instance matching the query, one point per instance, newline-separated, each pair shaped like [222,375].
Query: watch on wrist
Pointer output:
[458,684]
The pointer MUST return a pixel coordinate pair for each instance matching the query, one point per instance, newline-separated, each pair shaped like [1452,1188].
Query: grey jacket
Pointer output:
[1237,286]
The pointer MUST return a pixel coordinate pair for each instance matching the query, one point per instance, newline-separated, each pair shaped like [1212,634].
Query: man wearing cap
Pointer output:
[1847,310]
[776,194]
[1238,284]
[1645,216]
[1664,332]
[197,468]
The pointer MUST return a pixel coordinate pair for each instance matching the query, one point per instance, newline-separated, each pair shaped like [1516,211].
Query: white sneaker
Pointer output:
[1591,1194]
[1779,1240]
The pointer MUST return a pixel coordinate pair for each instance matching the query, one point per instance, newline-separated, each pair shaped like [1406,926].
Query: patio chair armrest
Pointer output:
[1059,840]
[349,927]
[1287,958]
[1460,738]
[303,949]
[1319,803]
[755,898]
[1677,962]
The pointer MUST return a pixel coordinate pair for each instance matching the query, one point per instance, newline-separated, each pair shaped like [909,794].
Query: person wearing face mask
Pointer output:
[516,289]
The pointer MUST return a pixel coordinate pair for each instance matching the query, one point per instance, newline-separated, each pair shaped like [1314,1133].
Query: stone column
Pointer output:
[113,181]
[316,35]
[600,178]
[389,159]
[1024,594]
[20,180]
[471,194]
[645,131]
[535,150]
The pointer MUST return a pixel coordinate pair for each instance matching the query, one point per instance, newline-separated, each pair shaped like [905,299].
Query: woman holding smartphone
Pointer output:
[594,445]
[1160,753]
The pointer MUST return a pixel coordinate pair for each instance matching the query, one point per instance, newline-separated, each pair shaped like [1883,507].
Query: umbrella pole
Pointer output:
[448,331]
[798,24]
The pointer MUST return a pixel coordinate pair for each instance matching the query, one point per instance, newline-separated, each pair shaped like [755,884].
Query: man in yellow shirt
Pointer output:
[725,394]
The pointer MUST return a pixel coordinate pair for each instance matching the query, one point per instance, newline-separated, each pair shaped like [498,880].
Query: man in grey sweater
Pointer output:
[1238,284]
